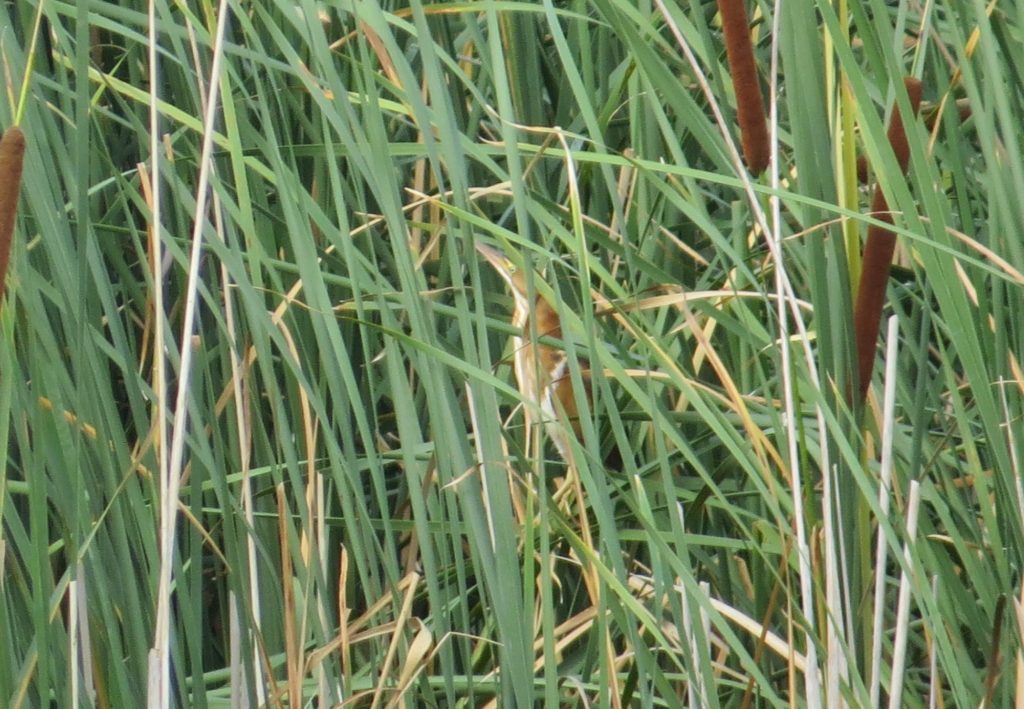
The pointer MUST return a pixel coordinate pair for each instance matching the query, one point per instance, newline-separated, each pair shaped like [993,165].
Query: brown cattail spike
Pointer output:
[878,252]
[12,153]
[932,115]
[749,102]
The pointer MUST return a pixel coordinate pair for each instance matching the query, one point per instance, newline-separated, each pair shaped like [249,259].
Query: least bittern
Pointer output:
[542,370]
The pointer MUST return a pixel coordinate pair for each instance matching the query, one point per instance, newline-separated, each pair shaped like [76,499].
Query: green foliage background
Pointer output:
[360,519]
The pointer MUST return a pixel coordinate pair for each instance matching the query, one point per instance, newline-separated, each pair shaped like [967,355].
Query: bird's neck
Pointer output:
[542,319]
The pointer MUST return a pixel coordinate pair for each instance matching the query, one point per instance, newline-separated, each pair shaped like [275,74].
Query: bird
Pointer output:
[542,370]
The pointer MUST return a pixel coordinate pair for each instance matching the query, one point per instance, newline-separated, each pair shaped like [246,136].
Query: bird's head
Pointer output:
[510,272]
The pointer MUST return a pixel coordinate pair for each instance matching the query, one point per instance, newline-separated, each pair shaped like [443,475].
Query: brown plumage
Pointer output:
[542,370]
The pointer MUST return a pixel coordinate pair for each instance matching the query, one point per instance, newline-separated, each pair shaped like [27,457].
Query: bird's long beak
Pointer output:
[493,255]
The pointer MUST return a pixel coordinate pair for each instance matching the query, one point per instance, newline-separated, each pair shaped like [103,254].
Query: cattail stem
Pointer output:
[12,153]
[878,253]
[749,102]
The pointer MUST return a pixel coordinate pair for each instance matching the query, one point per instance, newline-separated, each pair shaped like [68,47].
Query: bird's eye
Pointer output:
[511,267]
